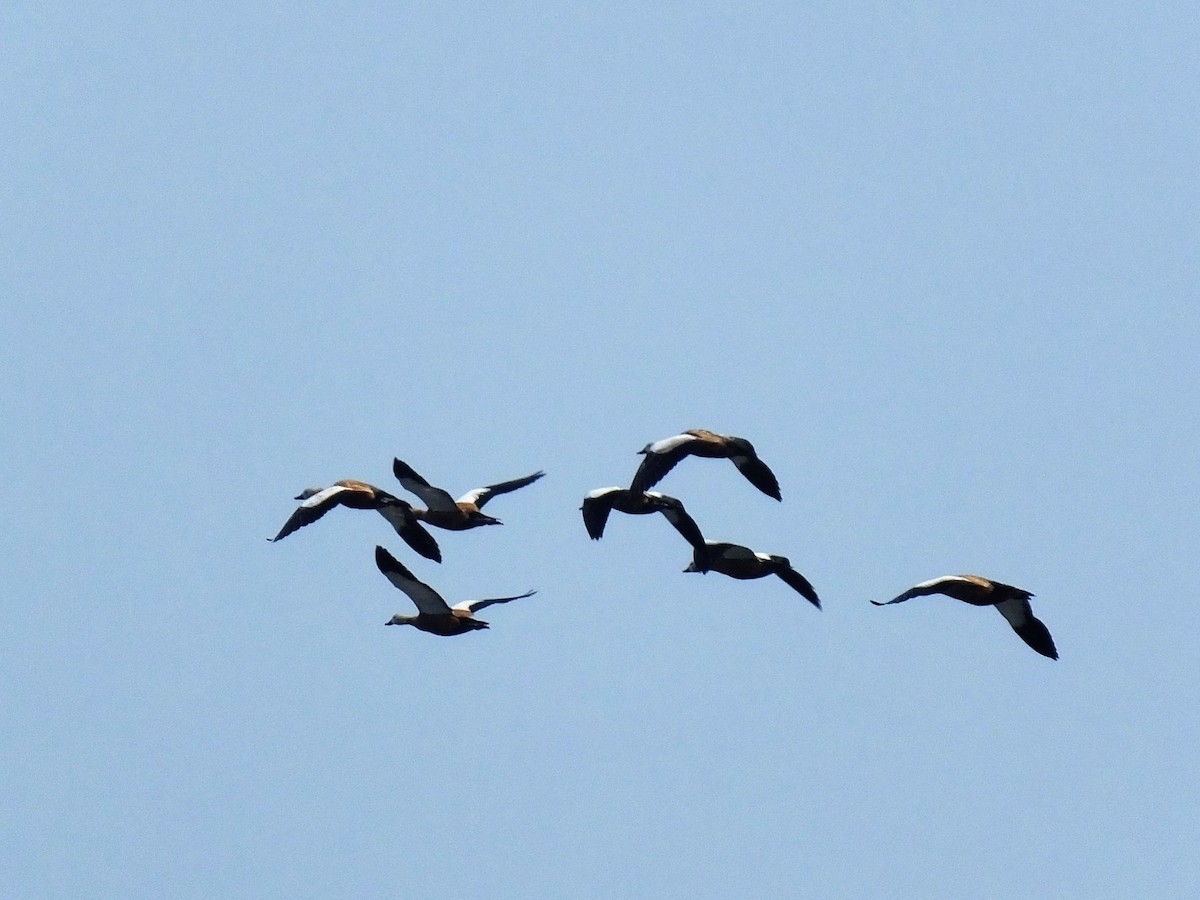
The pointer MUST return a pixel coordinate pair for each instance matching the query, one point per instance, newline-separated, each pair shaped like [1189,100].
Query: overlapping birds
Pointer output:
[436,616]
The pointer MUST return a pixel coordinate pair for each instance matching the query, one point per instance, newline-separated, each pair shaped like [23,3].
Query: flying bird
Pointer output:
[443,511]
[359,495]
[662,456]
[1012,602]
[741,562]
[434,615]
[599,503]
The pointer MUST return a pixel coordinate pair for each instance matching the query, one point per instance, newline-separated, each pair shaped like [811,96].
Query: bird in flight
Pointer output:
[662,456]
[434,615]
[317,501]
[443,511]
[1012,602]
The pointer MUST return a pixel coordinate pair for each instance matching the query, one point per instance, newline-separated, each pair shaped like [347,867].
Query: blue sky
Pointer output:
[938,263]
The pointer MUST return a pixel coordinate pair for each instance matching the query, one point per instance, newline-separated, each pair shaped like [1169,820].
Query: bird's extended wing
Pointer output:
[425,598]
[799,583]
[471,606]
[675,513]
[432,497]
[596,506]
[311,510]
[1031,629]
[660,458]
[758,474]
[480,496]
[925,588]
[401,517]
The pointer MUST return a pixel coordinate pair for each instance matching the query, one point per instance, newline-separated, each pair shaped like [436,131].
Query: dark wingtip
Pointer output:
[1037,636]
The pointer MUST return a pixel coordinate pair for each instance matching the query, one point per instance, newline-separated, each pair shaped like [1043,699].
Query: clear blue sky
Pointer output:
[938,262]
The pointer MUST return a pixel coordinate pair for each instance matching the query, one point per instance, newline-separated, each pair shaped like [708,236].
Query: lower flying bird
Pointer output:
[360,495]
[599,503]
[443,510]
[1012,602]
[662,456]
[737,561]
[434,615]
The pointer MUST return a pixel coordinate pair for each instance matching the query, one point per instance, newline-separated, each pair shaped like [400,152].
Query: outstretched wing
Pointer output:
[471,606]
[596,506]
[482,495]
[425,598]
[311,510]
[401,517]
[799,583]
[660,458]
[432,497]
[925,588]
[1031,629]
[674,513]
[758,474]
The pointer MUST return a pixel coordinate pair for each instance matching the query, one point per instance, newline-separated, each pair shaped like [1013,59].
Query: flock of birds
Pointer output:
[436,616]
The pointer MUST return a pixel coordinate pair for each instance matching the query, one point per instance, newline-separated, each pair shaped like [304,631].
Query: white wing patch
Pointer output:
[668,444]
[600,492]
[321,496]
[933,582]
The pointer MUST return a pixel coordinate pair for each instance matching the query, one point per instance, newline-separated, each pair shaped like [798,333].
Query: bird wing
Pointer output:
[1029,627]
[932,586]
[311,510]
[425,598]
[758,474]
[799,583]
[401,517]
[660,458]
[726,550]
[432,497]
[471,606]
[675,513]
[480,496]
[596,506]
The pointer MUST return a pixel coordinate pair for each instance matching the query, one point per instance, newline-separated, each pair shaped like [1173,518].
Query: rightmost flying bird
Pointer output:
[1012,602]
[662,456]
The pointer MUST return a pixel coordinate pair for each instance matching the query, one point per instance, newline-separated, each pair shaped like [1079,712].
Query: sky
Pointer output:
[938,261]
